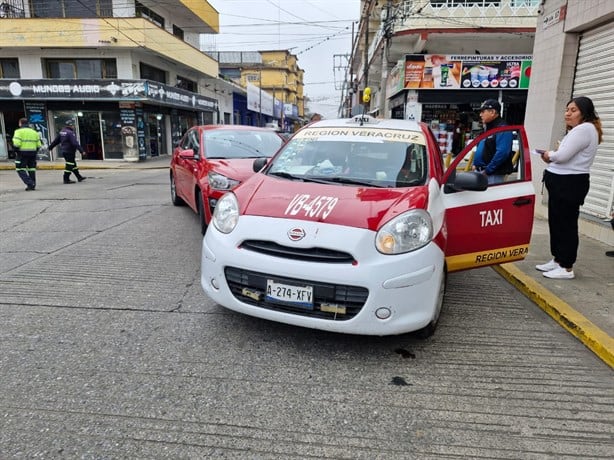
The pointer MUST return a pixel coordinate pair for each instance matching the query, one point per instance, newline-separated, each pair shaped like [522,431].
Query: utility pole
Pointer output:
[387,29]
[260,95]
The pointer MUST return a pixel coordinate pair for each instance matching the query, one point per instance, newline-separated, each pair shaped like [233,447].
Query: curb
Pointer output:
[595,339]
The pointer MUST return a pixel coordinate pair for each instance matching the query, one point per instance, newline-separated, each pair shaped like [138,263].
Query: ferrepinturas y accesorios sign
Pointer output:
[471,72]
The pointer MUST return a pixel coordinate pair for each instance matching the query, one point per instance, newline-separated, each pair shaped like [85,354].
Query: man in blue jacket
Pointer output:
[69,145]
[493,155]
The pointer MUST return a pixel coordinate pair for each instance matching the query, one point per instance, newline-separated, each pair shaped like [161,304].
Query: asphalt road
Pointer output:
[109,349]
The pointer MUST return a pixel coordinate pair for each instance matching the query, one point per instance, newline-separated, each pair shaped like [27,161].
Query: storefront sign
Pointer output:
[36,113]
[97,90]
[291,111]
[140,133]
[396,79]
[555,17]
[469,72]
[259,101]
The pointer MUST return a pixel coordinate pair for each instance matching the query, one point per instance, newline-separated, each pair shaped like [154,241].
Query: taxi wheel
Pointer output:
[429,329]
[201,213]
[174,197]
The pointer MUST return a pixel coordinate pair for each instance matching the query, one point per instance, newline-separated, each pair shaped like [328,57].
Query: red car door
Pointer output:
[492,226]
[186,167]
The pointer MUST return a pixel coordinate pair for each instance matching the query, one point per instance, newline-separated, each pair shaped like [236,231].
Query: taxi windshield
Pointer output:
[354,159]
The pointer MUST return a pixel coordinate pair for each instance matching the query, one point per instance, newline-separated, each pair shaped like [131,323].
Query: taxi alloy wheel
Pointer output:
[174,197]
[429,329]
[201,212]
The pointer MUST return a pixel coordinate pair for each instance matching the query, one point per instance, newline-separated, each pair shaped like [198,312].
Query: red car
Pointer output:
[213,159]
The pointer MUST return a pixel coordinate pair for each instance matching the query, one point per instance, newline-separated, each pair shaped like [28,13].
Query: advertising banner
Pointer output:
[470,72]
[395,80]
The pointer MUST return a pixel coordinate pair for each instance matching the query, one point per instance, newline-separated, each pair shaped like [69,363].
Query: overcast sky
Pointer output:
[314,30]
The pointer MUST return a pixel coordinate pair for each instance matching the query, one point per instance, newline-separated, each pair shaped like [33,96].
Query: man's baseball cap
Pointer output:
[491,104]
[70,123]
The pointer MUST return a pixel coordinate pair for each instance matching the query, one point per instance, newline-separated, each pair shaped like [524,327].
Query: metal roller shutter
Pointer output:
[594,78]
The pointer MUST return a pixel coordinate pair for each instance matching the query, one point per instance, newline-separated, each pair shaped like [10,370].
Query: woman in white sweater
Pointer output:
[567,181]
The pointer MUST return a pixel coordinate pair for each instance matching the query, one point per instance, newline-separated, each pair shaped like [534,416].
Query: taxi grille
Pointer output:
[351,298]
[305,254]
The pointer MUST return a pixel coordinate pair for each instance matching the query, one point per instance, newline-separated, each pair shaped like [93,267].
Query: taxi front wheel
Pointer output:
[429,329]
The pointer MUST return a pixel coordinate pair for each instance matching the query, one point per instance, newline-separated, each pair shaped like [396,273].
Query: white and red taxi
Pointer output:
[354,225]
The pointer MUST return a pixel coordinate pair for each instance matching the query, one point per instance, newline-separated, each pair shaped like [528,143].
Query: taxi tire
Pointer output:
[174,197]
[429,329]
[201,212]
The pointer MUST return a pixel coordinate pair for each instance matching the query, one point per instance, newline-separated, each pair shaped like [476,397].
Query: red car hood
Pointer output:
[361,207]
[235,168]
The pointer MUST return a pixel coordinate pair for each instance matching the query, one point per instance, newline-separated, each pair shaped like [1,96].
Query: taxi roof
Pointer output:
[367,121]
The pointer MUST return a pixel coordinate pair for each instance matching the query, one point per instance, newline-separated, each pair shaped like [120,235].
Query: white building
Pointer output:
[573,56]
[129,72]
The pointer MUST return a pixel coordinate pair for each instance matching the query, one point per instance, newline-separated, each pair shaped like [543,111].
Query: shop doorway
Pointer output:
[89,135]
[87,130]
[152,134]
[10,122]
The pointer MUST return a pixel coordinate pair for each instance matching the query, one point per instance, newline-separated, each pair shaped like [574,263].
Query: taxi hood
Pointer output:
[350,205]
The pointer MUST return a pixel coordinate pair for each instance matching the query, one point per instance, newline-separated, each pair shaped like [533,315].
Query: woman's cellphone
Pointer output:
[540,151]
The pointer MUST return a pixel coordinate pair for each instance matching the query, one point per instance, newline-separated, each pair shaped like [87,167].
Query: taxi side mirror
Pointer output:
[471,180]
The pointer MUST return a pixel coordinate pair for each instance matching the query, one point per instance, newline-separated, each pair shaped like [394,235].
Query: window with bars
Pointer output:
[71,8]
[80,68]
[186,83]
[177,32]
[9,68]
[466,3]
[152,73]
[143,12]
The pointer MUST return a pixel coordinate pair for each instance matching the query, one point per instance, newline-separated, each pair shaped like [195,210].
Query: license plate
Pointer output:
[299,296]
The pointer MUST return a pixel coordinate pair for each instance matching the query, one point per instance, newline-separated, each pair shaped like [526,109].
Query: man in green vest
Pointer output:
[26,142]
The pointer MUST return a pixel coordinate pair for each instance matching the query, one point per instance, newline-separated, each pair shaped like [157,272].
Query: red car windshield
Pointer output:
[240,144]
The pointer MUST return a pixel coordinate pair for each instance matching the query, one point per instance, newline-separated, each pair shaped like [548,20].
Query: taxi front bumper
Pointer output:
[375,294]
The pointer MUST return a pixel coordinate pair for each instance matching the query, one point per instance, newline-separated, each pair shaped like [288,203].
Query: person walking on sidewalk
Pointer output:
[67,140]
[26,142]
[567,180]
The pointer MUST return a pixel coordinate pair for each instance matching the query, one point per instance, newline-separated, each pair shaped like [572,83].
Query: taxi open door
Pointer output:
[492,226]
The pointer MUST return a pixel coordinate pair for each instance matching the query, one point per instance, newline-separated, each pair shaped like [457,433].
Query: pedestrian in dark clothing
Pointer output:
[493,155]
[26,142]
[69,145]
[567,180]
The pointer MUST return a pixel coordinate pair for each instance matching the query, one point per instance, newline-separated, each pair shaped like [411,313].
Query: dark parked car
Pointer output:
[213,159]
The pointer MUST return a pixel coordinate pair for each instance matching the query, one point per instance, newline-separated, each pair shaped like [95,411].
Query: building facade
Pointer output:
[437,60]
[128,72]
[274,85]
[572,56]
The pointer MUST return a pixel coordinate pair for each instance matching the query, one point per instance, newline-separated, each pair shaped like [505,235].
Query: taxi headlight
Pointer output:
[219,182]
[406,232]
[226,213]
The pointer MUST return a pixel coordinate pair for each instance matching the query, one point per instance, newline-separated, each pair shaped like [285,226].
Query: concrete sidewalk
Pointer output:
[582,305]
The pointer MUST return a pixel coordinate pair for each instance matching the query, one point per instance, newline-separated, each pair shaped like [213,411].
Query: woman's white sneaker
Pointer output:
[548,266]
[559,273]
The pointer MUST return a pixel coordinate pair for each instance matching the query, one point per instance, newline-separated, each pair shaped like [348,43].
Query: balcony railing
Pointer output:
[12,9]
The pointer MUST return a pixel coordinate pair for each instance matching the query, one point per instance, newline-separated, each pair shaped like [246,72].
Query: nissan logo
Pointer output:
[296,234]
